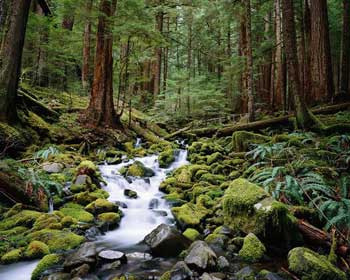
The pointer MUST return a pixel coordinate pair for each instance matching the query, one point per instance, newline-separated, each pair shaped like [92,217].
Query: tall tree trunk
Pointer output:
[242,52]
[166,56]
[157,64]
[101,110]
[85,74]
[307,46]
[11,58]
[321,60]
[4,8]
[280,81]
[345,53]
[250,82]
[303,116]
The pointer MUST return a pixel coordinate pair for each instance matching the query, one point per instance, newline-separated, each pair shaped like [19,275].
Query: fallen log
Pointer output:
[36,106]
[284,120]
[177,133]
[317,237]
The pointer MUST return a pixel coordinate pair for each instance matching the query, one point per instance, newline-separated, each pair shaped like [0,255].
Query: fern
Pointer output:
[46,153]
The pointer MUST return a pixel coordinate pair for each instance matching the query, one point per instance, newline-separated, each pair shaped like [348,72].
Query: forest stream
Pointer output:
[140,217]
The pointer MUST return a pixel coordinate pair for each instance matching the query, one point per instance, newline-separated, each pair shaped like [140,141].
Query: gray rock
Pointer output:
[166,241]
[271,276]
[110,256]
[80,271]
[92,233]
[58,276]
[180,271]
[223,263]
[201,256]
[81,180]
[111,266]
[52,167]
[122,204]
[160,213]
[245,273]
[86,254]
[153,204]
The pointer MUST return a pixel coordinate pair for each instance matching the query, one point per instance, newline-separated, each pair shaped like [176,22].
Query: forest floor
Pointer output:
[271,204]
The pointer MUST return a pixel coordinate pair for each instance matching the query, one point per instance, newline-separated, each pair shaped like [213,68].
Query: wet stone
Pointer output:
[109,256]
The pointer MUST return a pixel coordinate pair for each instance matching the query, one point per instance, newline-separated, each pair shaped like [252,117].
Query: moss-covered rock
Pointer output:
[253,249]
[24,218]
[68,221]
[215,157]
[13,231]
[192,234]
[248,208]
[57,239]
[15,209]
[12,256]
[137,169]
[189,214]
[309,265]
[36,249]
[112,219]
[78,214]
[242,139]
[100,206]
[45,263]
[166,158]
[85,198]
[215,179]
[49,221]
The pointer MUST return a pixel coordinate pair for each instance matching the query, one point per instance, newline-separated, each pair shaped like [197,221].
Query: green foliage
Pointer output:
[46,153]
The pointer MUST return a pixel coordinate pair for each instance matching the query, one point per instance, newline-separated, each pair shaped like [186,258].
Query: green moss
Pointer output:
[15,209]
[166,276]
[253,250]
[78,188]
[12,256]
[192,234]
[215,157]
[242,139]
[23,218]
[214,179]
[309,265]
[78,214]
[137,169]
[110,218]
[68,221]
[189,214]
[46,221]
[45,263]
[184,175]
[175,198]
[57,239]
[166,158]
[242,196]
[212,238]
[100,206]
[37,249]
[13,231]
[85,198]
[88,166]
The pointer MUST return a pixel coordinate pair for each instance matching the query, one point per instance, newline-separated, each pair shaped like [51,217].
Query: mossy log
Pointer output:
[318,237]
[13,189]
[36,106]
[284,120]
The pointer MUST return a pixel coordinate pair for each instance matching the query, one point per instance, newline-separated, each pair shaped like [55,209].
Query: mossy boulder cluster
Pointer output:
[136,169]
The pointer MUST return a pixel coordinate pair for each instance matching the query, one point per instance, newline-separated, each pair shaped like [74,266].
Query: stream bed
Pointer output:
[141,216]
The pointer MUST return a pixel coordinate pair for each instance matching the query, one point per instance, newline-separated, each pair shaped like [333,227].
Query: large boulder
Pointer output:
[201,257]
[308,265]
[53,167]
[248,208]
[166,158]
[137,169]
[181,271]
[189,215]
[166,241]
[86,254]
[110,256]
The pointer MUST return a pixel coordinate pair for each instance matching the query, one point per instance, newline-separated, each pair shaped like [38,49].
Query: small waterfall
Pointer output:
[145,213]
[50,205]
[138,143]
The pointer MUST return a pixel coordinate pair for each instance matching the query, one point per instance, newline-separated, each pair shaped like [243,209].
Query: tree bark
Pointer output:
[157,64]
[101,110]
[303,116]
[250,81]
[321,60]
[11,58]
[85,74]
[345,53]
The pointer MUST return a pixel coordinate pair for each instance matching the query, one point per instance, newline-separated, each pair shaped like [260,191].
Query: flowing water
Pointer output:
[141,216]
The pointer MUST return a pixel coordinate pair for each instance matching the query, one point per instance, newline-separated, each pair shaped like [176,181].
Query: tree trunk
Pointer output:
[280,81]
[157,64]
[303,116]
[250,81]
[85,74]
[321,61]
[11,57]
[345,53]
[101,110]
